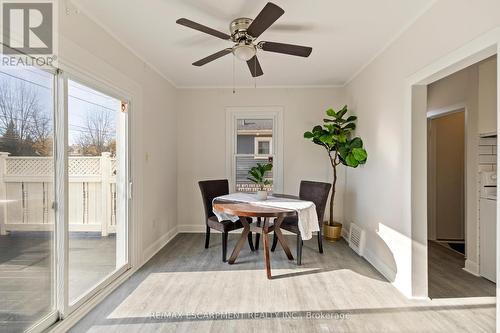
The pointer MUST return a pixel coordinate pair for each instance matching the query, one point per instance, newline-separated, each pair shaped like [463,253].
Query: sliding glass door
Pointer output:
[27,270]
[71,210]
[97,199]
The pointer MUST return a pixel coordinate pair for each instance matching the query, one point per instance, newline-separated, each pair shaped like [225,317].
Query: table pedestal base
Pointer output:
[263,228]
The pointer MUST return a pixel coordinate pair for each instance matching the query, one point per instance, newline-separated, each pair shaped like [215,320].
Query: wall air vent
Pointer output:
[357,239]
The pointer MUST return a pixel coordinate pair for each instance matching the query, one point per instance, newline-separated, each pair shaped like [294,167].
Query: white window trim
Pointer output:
[257,112]
[259,139]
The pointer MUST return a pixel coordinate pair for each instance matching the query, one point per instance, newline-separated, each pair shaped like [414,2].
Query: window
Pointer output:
[263,146]
[253,134]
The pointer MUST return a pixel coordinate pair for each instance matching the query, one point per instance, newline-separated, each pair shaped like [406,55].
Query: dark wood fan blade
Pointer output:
[254,66]
[196,26]
[295,50]
[212,57]
[267,16]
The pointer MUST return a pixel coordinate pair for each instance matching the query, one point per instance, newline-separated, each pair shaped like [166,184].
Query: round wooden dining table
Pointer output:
[263,225]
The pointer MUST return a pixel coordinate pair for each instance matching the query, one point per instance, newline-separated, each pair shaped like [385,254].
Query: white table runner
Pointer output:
[306,210]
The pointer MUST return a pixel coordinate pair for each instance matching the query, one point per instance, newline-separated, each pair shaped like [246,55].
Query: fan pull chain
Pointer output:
[255,71]
[234,89]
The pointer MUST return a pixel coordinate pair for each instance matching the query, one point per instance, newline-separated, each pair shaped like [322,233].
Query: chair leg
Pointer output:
[207,237]
[320,241]
[224,246]
[275,242]
[257,235]
[250,242]
[299,250]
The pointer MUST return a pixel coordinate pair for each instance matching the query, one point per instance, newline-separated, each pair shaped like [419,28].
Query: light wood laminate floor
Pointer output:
[447,279]
[189,289]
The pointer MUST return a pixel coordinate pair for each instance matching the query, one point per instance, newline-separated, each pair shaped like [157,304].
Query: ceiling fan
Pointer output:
[244,33]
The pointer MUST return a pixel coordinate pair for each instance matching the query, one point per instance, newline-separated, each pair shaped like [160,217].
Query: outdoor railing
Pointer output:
[27,192]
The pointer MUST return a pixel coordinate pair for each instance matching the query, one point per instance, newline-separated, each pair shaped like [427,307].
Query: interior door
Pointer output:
[449,173]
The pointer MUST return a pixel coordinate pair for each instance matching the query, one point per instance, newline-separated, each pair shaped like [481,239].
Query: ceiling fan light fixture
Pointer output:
[244,33]
[244,51]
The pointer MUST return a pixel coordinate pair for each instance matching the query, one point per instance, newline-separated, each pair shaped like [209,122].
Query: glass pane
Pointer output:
[252,141]
[264,147]
[26,196]
[247,130]
[95,219]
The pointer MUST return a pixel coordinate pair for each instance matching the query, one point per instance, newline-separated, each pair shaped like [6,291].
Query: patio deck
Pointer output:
[25,274]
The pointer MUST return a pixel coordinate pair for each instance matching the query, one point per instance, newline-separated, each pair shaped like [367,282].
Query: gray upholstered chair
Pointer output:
[316,192]
[211,189]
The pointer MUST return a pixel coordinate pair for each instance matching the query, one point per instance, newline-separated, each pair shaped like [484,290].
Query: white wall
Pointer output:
[86,46]
[202,140]
[487,103]
[377,195]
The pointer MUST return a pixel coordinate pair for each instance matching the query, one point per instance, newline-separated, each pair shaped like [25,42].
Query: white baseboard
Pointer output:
[152,249]
[191,228]
[471,267]
[345,234]
[380,266]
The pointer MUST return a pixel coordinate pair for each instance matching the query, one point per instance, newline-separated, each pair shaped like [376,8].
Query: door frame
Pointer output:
[415,152]
[64,305]
[257,112]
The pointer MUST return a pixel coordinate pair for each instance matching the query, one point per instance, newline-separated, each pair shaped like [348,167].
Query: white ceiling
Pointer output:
[344,34]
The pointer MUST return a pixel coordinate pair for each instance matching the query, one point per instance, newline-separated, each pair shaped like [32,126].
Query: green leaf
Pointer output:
[351,161]
[331,113]
[308,135]
[351,118]
[350,126]
[317,128]
[253,179]
[330,127]
[359,154]
[342,138]
[328,120]
[316,141]
[342,112]
[326,138]
[254,173]
[356,143]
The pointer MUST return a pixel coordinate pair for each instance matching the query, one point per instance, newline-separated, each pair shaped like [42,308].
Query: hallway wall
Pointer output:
[378,196]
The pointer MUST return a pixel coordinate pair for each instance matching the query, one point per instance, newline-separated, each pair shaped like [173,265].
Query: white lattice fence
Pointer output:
[84,166]
[27,193]
[29,166]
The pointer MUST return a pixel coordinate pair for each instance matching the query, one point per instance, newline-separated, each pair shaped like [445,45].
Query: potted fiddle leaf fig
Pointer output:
[257,174]
[335,135]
